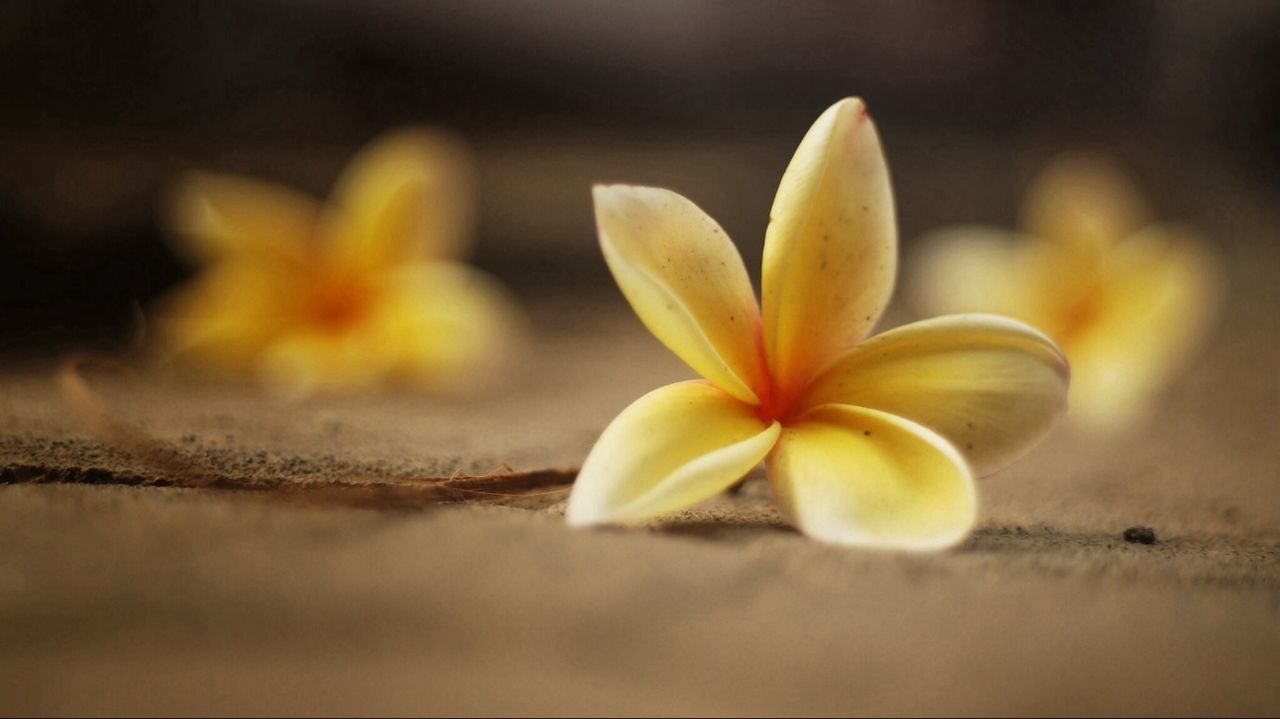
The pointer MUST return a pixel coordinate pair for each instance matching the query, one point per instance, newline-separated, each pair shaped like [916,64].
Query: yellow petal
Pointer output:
[226,315]
[439,326]
[686,281]
[669,450]
[1157,302]
[992,386]
[212,217]
[1084,204]
[407,196]
[971,269]
[986,269]
[309,359]
[447,325]
[856,476]
[831,249]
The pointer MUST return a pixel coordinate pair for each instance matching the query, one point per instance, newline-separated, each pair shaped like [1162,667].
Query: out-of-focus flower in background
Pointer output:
[1127,300]
[868,443]
[360,292]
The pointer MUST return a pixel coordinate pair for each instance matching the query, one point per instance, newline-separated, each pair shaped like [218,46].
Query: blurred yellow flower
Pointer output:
[871,443]
[1127,301]
[365,290]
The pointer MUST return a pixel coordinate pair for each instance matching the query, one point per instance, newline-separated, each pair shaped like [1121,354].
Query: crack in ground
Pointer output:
[385,493]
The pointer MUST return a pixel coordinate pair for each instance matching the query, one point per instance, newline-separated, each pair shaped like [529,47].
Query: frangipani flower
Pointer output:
[871,443]
[1127,301]
[364,290]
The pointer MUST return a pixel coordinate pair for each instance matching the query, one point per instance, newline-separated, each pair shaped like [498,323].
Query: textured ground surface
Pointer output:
[148,599]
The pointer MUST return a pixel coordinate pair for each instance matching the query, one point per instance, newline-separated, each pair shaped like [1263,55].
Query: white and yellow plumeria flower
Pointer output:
[365,290]
[1126,300]
[871,443]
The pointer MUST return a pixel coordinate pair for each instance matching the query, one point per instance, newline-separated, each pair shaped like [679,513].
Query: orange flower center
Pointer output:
[1077,319]
[778,403]
[338,300]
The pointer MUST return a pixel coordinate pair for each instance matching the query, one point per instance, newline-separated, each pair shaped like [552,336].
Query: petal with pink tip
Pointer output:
[831,249]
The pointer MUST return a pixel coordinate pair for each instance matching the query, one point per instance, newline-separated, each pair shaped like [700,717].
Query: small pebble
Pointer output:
[1140,535]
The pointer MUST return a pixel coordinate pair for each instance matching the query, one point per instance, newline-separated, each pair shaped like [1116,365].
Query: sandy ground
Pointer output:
[154,599]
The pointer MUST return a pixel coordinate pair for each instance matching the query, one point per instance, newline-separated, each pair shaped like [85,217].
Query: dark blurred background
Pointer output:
[105,102]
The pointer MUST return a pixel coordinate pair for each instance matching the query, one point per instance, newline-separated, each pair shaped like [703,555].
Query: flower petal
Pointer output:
[672,448]
[857,476]
[437,326]
[1157,301]
[309,359]
[407,196]
[686,281]
[447,325]
[227,314]
[971,268]
[1049,285]
[831,249]
[1083,204]
[214,217]
[991,385]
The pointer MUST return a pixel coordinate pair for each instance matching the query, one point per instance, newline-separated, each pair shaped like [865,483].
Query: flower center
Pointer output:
[779,406]
[1077,319]
[338,301]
